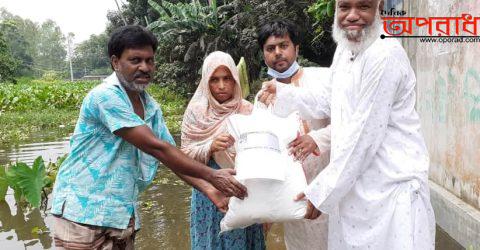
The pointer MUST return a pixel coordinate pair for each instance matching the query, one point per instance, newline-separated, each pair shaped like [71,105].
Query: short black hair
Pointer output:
[278,28]
[130,37]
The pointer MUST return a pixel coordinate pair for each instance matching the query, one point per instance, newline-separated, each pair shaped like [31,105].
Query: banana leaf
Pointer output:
[243,75]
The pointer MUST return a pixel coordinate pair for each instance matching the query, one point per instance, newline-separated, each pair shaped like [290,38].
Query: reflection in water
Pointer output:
[164,209]
[27,153]
[165,212]
[28,227]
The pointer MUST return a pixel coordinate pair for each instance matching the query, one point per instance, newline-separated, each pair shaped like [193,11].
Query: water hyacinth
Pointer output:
[53,106]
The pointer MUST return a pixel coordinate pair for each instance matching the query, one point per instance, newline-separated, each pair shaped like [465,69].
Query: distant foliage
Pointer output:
[21,36]
[51,76]
[38,47]
[176,75]
[8,64]
[90,57]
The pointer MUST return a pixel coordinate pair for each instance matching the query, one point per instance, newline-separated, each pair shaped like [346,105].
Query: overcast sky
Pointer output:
[82,17]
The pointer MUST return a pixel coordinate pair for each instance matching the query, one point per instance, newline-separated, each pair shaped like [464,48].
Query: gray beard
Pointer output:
[360,39]
[131,85]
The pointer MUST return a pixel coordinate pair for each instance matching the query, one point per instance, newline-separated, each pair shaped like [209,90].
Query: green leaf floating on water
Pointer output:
[28,181]
[3,183]
[39,230]
[36,230]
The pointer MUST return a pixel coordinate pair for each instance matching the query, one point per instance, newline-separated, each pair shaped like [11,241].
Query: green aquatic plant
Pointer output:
[29,182]
[52,170]
[3,183]
[41,95]
[34,107]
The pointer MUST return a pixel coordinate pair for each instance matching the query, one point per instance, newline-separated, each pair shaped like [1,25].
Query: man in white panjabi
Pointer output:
[375,188]
[279,40]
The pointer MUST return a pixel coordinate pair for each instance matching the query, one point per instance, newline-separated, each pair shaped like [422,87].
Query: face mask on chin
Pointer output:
[286,74]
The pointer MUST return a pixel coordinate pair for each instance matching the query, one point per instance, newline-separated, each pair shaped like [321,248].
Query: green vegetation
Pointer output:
[42,95]
[34,106]
[243,77]
[29,182]
[323,12]
[8,64]
[37,106]
[322,9]
[189,30]
[91,57]
[48,124]
[37,47]
[173,105]
[187,33]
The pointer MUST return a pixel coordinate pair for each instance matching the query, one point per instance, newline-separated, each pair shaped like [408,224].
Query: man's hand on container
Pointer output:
[224,181]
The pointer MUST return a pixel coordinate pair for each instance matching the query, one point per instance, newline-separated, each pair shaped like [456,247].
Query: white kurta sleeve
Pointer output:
[310,104]
[360,136]
[321,138]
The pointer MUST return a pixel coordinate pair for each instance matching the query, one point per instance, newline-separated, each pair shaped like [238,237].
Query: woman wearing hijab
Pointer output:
[206,139]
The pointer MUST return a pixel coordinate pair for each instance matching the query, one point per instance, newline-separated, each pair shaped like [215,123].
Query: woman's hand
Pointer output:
[268,92]
[221,143]
[218,199]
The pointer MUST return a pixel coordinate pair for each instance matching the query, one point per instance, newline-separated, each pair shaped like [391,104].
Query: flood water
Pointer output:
[164,209]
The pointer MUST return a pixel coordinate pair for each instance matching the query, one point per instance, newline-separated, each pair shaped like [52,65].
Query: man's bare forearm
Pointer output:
[143,138]
[180,163]
[199,184]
